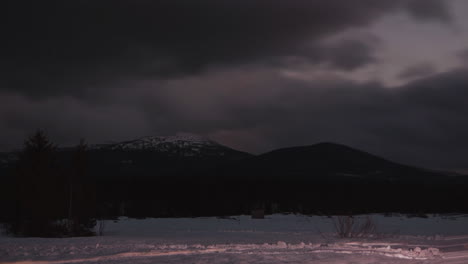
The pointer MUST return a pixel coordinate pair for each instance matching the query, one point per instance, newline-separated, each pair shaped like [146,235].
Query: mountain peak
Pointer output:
[181,137]
[180,145]
[159,143]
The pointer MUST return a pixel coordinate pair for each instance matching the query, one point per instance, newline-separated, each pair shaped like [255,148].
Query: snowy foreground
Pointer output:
[277,239]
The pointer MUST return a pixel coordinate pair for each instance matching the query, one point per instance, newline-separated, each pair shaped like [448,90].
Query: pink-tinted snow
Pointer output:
[277,239]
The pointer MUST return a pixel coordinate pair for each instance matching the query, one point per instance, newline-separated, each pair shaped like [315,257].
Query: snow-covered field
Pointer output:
[276,239]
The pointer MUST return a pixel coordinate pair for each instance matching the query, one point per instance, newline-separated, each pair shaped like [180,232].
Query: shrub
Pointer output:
[351,227]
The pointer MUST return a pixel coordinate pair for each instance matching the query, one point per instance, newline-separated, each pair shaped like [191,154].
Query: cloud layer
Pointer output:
[64,47]
[115,70]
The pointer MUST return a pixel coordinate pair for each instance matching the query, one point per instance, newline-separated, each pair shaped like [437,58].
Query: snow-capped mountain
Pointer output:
[8,158]
[184,145]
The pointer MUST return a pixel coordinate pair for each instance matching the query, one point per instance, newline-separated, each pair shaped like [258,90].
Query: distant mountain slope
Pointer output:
[152,156]
[329,161]
[7,158]
[171,156]
[193,176]
[157,156]
[185,145]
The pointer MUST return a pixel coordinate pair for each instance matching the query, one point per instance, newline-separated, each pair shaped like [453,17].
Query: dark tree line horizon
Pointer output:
[48,198]
[63,192]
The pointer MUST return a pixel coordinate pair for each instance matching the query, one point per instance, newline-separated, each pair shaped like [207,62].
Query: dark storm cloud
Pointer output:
[348,54]
[417,70]
[69,47]
[66,120]
[429,10]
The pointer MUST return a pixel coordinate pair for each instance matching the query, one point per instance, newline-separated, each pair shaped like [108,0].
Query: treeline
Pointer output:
[51,192]
[46,197]
[220,197]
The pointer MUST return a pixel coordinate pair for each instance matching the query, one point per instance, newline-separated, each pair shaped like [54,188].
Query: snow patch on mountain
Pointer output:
[180,145]
[7,159]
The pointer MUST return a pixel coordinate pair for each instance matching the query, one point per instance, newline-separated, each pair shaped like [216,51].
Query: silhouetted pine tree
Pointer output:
[41,191]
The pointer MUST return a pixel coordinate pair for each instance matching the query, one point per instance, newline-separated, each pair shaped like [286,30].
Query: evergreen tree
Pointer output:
[40,189]
[47,194]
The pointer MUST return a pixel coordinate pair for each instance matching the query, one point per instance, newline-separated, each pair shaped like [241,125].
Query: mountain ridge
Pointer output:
[329,161]
[320,178]
[322,158]
[187,145]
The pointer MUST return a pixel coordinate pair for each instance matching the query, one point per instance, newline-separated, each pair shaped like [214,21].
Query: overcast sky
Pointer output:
[388,77]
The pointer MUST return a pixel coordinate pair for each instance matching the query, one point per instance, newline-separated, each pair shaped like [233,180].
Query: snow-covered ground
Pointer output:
[276,239]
